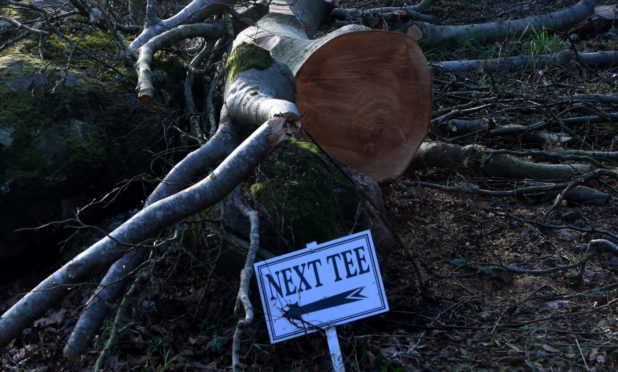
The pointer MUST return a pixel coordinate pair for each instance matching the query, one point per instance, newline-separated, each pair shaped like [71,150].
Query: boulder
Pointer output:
[65,138]
[304,196]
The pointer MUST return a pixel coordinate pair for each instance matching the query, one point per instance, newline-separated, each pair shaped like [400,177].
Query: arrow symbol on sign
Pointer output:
[295,311]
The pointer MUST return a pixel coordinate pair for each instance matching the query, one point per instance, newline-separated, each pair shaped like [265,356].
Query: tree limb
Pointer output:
[146,223]
[478,161]
[563,59]
[195,11]
[245,277]
[448,35]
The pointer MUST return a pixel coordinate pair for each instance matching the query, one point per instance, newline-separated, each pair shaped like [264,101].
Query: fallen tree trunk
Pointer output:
[261,90]
[429,35]
[249,97]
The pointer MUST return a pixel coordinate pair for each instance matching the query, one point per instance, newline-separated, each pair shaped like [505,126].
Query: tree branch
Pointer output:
[195,11]
[245,277]
[147,223]
[448,35]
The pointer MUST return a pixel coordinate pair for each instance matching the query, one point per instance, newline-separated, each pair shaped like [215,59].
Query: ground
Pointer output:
[469,313]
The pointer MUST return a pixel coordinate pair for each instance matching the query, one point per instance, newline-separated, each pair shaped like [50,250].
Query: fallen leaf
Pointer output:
[550,348]
[515,360]
[564,235]
[606,11]
[56,317]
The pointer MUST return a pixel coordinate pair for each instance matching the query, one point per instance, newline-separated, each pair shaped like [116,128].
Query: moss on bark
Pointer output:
[304,198]
[248,56]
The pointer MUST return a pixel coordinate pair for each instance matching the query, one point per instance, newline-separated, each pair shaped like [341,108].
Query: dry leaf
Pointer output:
[56,317]
[550,348]
[606,11]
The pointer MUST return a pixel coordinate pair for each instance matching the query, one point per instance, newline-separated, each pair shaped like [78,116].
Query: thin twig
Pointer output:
[245,277]
[559,198]
[117,321]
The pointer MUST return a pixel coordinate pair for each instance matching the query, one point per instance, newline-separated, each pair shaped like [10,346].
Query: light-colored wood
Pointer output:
[365,97]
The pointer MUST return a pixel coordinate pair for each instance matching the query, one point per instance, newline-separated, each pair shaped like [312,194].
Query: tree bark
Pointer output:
[562,59]
[477,161]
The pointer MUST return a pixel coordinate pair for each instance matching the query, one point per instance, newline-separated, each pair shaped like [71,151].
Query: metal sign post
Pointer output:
[335,351]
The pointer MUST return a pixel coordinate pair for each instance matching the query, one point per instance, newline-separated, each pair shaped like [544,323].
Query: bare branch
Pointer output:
[195,11]
[147,223]
[245,277]
[434,35]
[22,26]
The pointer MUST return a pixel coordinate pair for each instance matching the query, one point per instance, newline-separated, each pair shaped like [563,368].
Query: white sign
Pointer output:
[321,286]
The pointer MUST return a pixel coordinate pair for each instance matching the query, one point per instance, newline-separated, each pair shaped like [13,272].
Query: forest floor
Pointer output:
[471,312]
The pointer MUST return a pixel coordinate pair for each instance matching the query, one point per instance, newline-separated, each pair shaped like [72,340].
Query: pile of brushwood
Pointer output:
[497,243]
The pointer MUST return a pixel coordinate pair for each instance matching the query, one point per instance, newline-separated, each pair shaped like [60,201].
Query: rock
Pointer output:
[303,197]
[65,138]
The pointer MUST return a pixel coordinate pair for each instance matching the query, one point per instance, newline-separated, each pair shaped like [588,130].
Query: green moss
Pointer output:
[306,146]
[305,197]
[257,188]
[66,138]
[97,40]
[69,138]
[248,56]
[84,153]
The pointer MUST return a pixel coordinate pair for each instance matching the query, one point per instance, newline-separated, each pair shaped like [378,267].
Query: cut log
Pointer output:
[364,95]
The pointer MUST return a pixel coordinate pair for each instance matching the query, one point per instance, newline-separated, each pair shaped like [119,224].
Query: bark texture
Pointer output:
[562,59]
[477,161]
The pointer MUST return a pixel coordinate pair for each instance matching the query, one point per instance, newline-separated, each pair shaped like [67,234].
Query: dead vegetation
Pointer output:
[508,282]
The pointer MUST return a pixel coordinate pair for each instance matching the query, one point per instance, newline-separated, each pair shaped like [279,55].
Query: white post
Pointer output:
[333,341]
[333,347]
